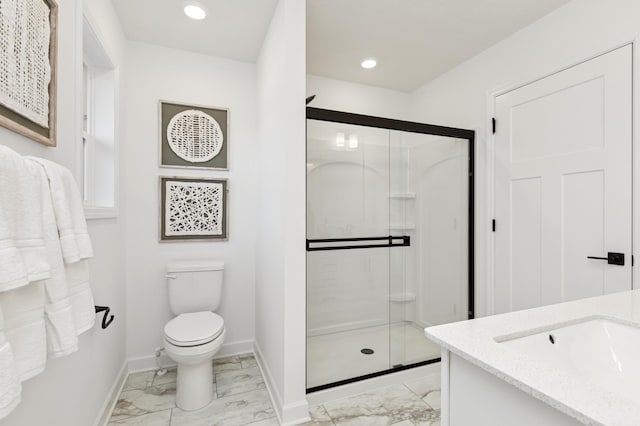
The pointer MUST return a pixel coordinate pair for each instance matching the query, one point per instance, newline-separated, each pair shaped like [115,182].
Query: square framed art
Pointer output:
[193,209]
[194,136]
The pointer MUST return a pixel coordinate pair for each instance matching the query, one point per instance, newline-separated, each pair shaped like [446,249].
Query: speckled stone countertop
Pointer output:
[577,397]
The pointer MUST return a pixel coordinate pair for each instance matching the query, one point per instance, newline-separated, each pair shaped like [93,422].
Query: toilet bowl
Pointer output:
[191,340]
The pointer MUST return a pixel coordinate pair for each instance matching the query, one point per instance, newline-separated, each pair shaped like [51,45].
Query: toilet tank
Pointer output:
[194,285]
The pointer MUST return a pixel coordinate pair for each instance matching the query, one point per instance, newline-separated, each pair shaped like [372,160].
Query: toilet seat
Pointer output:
[194,329]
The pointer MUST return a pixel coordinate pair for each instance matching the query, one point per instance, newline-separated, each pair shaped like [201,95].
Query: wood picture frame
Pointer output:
[19,123]
[169,111]
[193,209]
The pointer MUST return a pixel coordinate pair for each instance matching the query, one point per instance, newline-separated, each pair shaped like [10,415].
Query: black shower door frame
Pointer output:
[333,116]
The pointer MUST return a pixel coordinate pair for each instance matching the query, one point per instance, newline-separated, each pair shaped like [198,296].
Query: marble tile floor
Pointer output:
[241,399]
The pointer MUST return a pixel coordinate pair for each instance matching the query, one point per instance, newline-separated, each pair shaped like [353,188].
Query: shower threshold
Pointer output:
[337,359]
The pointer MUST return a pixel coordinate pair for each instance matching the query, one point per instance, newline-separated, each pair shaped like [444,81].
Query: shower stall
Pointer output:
[389,242]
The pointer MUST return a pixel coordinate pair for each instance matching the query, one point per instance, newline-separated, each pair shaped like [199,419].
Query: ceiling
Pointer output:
[414,41]
[233,29]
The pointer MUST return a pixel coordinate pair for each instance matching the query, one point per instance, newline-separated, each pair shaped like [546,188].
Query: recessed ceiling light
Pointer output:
[368,63]
[195,11]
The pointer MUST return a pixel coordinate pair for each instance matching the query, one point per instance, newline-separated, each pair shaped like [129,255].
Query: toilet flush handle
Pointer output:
[171,276]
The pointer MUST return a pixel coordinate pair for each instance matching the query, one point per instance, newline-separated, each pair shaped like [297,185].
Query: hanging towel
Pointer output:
[62,337]
[24,326]
[84,312]
[10,386]
[74,241]
[69,212]
[23,257]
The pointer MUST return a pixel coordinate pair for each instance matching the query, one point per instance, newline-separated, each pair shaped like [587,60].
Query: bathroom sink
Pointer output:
[600,350]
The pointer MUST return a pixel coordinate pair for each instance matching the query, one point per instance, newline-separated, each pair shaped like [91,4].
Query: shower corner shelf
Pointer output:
[403,195]
[402,297]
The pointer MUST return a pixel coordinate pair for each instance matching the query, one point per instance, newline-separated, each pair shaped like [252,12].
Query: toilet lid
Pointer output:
[195,328]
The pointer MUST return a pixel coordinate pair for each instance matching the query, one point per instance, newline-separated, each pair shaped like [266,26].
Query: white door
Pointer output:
[563,185]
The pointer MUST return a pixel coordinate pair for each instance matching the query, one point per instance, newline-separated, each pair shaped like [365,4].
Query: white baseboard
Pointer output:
[145,363]
[296,413]
[272,390]
[110,402]
[290,414]
[235,348]
[355,388]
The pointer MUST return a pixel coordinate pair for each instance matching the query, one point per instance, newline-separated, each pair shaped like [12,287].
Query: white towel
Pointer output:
[84,312]
[10,386]
[24,325]
[74,241]
[69,212]
[62,337]
[23,256]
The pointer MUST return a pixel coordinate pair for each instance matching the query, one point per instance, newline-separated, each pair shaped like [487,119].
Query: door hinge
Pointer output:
[632,260]
[493,125]
[493,225]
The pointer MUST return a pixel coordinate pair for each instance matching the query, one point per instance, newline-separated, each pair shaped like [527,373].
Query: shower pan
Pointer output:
[389,242]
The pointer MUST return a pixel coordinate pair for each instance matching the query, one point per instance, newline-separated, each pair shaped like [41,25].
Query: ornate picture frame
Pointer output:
[193,136]
[193,209]
[28,107]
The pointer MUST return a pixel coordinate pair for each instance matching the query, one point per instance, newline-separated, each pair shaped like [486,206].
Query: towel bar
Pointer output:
[105,323]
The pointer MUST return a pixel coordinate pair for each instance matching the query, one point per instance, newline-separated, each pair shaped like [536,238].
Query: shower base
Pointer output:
[339,356]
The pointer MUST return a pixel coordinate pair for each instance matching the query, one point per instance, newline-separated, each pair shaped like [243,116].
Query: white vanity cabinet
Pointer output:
[560,365]
[473,396]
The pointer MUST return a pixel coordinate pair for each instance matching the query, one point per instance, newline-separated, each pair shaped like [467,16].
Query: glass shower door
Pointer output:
[348,253]
[428,203]
[389,247]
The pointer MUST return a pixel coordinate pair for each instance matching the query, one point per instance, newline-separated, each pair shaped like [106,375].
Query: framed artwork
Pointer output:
[28,68]
[194,136]
[193,209]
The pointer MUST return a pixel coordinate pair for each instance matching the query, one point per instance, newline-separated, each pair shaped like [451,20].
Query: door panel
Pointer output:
[583,231]
[563,184]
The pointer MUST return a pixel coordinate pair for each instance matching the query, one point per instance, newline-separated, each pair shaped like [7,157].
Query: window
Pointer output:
[98,127]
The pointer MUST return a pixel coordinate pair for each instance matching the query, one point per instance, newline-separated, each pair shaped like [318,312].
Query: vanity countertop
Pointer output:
[474,341]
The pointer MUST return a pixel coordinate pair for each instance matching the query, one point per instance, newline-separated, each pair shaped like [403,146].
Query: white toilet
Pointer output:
[195,335]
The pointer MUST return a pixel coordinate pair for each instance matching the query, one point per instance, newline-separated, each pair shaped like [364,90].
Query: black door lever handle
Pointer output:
[612,258]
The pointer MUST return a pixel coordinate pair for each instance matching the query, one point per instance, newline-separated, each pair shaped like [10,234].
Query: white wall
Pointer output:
[153,73]
[571,34]
[280,271]
[73,390]
[358,98]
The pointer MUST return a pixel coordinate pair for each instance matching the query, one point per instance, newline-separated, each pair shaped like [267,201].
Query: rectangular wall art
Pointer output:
[193,209]
[194,136]
[28,50]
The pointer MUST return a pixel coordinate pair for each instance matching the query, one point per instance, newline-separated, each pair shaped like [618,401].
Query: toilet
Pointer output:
[195,335]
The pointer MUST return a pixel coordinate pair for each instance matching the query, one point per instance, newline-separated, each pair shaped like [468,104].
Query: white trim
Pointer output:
[235,348]
[110,63]
[295,414]
[272,389]
[112,398]
[635,169]
[355,388]
[148,362]
[492,94]
[444,388]
[287,414]
[91,212]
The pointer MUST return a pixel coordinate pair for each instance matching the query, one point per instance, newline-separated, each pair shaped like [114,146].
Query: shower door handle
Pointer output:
[391,241]
[612,258]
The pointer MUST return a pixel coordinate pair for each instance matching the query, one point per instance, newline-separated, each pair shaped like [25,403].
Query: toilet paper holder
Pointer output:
[105,322]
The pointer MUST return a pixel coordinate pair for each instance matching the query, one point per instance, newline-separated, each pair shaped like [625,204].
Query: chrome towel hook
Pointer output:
[105,322]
